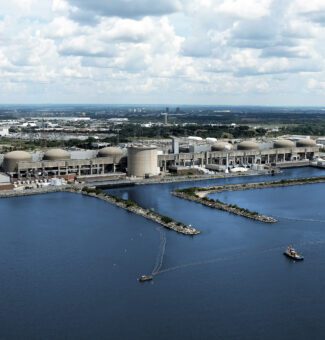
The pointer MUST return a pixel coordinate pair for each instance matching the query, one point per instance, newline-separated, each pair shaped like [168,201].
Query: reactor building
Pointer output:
[142,161]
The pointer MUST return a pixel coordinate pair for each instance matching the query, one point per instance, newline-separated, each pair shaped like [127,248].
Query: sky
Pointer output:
[212,52]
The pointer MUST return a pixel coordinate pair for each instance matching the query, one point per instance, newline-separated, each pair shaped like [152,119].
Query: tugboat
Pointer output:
[293,254]
[144,278]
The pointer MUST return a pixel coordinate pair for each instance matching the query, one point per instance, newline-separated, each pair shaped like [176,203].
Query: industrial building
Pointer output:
[58,162]
[147,160]
[280,153]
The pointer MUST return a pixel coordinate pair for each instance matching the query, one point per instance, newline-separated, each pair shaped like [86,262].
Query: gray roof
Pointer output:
[56,154]
[248,145]
[306,142]
[283,143]
[110,151]
[220,146]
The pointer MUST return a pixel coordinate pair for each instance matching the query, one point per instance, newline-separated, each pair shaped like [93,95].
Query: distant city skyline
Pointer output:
[170,52]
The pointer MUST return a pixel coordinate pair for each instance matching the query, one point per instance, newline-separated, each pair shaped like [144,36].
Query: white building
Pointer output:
[4,131]
[320,140]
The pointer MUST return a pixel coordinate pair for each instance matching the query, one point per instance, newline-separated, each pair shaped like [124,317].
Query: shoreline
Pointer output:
[31,192]
[173,179]
[195,194]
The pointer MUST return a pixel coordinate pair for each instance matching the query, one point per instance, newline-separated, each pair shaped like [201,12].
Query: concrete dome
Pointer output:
[248,145]
[112,151]
[11,160]
[221,146]
[306,143]
[283,143]
[56,155]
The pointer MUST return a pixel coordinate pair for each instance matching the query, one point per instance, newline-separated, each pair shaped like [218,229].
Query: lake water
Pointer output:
[69,266]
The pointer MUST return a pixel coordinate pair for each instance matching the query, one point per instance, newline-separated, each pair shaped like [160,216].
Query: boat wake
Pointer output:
[161,251]
[192,264]
[157,270]
[300,219]
[237,255]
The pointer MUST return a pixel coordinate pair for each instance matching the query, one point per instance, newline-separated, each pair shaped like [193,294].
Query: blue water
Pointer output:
[281,202]
[69,266]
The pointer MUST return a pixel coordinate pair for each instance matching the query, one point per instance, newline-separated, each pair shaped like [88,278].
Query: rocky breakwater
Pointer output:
[216,204]
[133,207]
[204,191]
[199,195]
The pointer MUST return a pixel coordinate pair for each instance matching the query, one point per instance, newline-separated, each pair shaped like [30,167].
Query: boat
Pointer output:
[144,278]
[293,254]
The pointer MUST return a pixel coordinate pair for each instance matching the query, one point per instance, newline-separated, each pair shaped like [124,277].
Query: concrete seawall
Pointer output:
[30,192]
[173,179]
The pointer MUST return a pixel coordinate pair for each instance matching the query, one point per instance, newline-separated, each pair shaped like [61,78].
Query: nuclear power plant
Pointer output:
[146,160]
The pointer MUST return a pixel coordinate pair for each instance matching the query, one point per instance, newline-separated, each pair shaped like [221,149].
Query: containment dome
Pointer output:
[11,160]
[56,154]
[111,151]
[221,146]
[283,143]
[248,145]
[306,143]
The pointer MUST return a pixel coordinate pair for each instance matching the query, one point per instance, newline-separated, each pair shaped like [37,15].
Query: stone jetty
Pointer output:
[133,207]
[233,209]
[199,195]
[204,191]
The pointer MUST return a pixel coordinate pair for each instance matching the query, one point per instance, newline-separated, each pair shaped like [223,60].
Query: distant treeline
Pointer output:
[129,132]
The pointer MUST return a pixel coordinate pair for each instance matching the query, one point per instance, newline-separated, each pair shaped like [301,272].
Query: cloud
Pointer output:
[275,67]
[176,51]
[197,47]
[286,52]
[79,47]
[127,8]
[317,16]
[126,30]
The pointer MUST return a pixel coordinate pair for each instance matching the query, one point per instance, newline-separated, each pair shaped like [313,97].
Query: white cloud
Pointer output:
[140,50]
[127,8]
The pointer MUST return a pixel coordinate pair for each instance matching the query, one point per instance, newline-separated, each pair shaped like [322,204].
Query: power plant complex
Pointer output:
[146,160]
